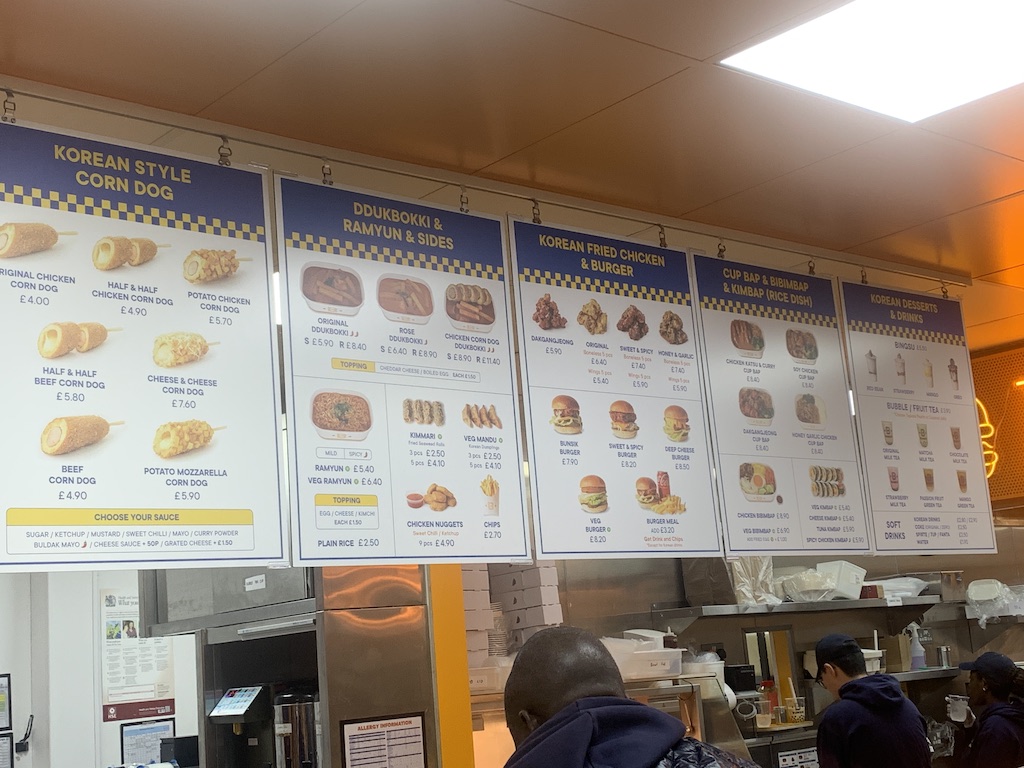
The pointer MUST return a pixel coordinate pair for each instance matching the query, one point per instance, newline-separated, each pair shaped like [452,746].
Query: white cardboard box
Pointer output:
[537,577]
[520,636]
[499,568]
[479,619]
[477,658]
[527,598]
[536,616]
[476,601]
[476,639]
[475,580]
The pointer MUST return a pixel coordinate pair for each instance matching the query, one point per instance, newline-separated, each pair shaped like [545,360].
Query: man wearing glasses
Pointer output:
[871,724]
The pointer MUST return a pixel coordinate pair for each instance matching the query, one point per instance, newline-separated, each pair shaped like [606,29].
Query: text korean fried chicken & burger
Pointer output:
[593,494]
[623,420]
[566,415]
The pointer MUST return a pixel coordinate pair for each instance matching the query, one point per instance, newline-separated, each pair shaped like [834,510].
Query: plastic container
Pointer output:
[661,663]
[917,659]
[768,691]
[872,660]
[848,577]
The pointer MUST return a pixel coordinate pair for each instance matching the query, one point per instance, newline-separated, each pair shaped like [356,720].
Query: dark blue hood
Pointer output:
[600,732]
[876,692]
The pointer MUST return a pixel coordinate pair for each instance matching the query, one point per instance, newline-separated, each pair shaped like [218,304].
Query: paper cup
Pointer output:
[491,504]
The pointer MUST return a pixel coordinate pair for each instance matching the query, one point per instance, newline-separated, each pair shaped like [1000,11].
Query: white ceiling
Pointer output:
[616,101]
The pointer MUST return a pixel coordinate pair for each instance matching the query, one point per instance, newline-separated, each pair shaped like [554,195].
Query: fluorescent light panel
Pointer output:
[906,58]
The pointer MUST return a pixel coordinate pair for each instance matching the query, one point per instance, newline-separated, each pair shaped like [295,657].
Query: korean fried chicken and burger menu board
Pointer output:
[398,359]
[784,433]
[619,447]
[140,355]
[923,455]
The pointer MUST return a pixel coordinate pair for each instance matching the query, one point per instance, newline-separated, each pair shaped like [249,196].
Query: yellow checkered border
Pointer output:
[919,334]
[597,285]
[389,255]
[788,315]
[92,206]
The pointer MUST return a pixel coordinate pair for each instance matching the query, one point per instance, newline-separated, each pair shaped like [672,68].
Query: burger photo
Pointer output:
[623,420]
[677,423]
[566,418]
[593,494]
[647,492]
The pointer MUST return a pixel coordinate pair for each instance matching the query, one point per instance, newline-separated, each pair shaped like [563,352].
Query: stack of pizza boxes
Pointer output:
[476,599]
[528,596]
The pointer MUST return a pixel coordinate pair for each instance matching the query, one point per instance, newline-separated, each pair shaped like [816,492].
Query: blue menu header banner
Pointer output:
[888,312]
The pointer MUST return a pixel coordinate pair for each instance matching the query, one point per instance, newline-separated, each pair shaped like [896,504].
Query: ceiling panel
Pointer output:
[700,136]
[456,84]
[178,55]
[696,28]
[895,182]
[993,122]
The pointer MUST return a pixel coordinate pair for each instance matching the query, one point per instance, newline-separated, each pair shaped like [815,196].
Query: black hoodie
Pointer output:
[872,725]
[997,740]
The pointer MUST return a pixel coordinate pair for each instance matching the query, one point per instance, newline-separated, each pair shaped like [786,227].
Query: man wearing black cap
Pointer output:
[996,739]
[871,724]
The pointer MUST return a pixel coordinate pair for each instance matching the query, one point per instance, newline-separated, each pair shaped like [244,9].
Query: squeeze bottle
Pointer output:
[917,660]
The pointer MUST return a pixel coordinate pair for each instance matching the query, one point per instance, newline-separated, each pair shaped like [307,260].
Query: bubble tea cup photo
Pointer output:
[887,432]
[922,434]
[954,432]
[929,479]
[961,479]
[894,478]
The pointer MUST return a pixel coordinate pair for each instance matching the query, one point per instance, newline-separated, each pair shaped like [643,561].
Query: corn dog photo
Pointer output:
[58,339]
[177,437]
[179,348]
[205,265]
[25,238]
[69,433]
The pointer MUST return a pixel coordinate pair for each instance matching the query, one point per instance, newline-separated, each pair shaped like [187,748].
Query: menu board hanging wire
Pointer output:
[617,434]
[786,457]
[140,358]
[916,411]
[403,417]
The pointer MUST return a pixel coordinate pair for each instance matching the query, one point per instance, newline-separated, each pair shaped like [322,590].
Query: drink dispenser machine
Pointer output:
[248,714]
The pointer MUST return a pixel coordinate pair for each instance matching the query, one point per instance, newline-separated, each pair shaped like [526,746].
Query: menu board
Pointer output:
[619,461]
[401,405]
[140,371]
[787,460]
[918,422]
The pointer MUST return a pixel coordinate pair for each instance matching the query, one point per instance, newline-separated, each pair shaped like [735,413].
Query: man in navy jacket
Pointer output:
[566,707]
[871,724]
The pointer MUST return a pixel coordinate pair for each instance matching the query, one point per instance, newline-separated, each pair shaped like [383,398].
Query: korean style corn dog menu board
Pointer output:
[140,370]
[402,413]
[619,447]
[918,422]
[787,460]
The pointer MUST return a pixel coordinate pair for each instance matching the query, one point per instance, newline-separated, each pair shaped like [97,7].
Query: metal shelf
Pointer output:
[935,673]
[687,616]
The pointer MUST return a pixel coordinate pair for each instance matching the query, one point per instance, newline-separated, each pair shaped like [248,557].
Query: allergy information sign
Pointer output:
[787,460]
[403,422]
[918,421]
[140,365]
[619,461]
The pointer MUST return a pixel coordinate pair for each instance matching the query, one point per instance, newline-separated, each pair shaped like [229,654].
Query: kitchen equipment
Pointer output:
[740,677]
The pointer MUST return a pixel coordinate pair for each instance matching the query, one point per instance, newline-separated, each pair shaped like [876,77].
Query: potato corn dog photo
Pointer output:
[205,265]
[111,252]
[69,433]
[178,348]
[177,437]
[25,238]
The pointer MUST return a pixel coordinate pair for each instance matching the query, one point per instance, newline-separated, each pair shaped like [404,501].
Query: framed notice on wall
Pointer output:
[5,702]
[6,750]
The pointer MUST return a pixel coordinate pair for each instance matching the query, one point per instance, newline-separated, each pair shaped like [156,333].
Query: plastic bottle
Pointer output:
[768,691]
[917,660]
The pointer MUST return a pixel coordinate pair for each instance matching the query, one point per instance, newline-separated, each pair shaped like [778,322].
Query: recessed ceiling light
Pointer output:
[906,58]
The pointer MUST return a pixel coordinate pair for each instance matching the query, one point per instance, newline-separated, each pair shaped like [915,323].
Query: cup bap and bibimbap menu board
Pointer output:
[620,462]
[787,459]
[399,369]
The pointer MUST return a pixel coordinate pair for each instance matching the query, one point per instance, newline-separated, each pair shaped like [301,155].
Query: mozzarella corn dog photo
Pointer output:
[111,252]
[204,265]
[178,348]
[177,437]
[25,238]
[57,339]
[69,433]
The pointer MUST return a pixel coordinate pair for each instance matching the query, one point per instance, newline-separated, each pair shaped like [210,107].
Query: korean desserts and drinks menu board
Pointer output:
[399,370]
[787,459]
[918,422]
[619,461]
[140,367]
